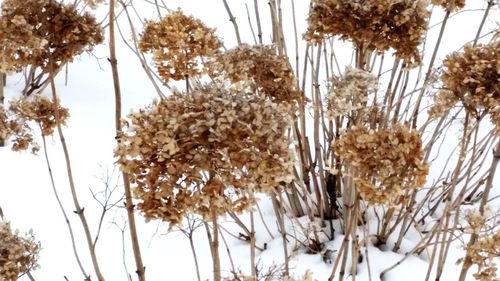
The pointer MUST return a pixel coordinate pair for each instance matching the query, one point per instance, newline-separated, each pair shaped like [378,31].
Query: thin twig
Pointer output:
[232,19]
[78,210]
[61,207]
[140,269]
[257,16]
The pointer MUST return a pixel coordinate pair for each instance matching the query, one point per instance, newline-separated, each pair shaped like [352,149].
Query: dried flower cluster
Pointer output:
[178,43]
[18,254]
[258,68]
[350,92]
[486,248]
[472,78]
[41,32]
[452,5]
[38,109]
[384,162]
[484,251]
[204,152]
[372,24]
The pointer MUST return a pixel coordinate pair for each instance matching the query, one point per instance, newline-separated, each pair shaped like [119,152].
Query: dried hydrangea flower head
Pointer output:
[40,32]
[484,252]
[15,122]
[473,79]
[452,5]
[178,42]
[204,151]
[372,24]
[41,110]
[259,69]
[350,92]
[385,163]
[18,254]
[12,127]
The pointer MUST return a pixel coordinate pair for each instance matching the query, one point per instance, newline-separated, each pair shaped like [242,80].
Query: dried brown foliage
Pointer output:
[18,254]
[486,248]
[15,122]
[472,79]
[372,24]
[22,138]
[259,69]
[384,163]
[452,5]
[178,42]
[40,32]
[350,92]
[204,151]
[41,110]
